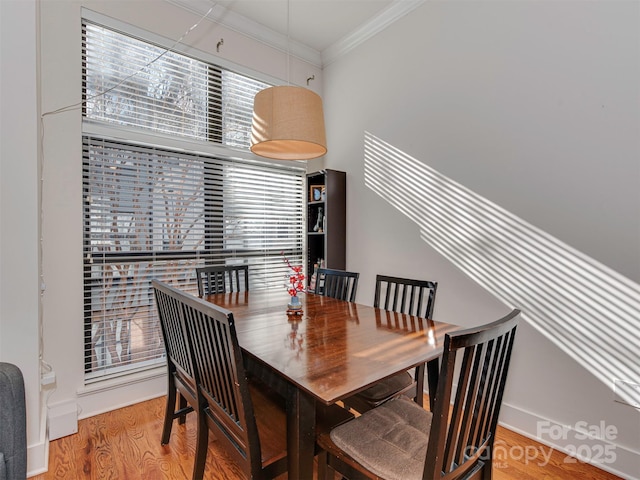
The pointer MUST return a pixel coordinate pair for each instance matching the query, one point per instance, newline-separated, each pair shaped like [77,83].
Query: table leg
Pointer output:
[419,378]
[301,433]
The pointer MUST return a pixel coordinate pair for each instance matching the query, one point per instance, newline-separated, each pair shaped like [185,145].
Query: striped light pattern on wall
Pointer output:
[585,308]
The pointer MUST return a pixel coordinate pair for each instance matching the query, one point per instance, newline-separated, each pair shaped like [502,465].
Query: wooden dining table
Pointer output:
[329,351]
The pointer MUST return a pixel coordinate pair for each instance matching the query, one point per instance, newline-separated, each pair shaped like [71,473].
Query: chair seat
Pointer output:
[390,440]
[387,388]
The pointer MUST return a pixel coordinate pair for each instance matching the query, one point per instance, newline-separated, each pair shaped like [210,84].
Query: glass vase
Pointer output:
[294,303]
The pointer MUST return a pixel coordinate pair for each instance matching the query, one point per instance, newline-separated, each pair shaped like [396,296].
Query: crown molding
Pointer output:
[266,36]
[251,29]
[387,16]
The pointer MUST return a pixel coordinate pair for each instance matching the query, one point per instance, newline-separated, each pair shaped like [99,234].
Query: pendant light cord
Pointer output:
[288,40]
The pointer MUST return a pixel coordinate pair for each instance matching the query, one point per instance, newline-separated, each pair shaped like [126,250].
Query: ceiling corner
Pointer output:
[395,11]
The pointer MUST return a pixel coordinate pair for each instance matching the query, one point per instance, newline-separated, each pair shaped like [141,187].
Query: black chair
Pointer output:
[411,297]
[249,423]
[222,279]
[337,284]
[180,375]
[401,440]
[403,295]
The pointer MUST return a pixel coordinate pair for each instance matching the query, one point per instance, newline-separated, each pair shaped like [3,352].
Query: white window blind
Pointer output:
[133,83]
[155,212]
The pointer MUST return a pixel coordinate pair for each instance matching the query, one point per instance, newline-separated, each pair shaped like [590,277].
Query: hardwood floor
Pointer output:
[125,444]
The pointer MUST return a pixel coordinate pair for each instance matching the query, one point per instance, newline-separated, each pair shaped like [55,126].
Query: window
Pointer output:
[155,211]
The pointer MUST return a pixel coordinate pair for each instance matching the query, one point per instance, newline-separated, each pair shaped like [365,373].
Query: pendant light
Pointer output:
[288,121]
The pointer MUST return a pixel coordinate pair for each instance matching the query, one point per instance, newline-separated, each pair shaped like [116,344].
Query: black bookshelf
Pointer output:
[326,220]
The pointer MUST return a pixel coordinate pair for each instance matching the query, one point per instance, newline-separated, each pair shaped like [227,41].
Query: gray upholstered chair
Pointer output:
[13,424]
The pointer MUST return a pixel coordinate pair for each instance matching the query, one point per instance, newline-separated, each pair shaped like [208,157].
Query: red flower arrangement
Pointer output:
[296,279]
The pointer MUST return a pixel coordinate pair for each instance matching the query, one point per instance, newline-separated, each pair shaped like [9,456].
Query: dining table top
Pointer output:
[332,348]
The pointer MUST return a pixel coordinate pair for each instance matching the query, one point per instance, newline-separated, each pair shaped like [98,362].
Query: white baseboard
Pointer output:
[38,453]
[37,458]
[109,395]
[574,441]
[62,419]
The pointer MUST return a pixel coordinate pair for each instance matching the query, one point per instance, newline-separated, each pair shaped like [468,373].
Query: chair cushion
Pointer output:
[386,388]
[390,440]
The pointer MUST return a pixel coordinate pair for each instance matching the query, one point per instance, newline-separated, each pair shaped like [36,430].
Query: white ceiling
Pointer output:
[316,30]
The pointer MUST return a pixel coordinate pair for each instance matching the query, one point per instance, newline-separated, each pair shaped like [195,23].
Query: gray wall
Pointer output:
[525,118]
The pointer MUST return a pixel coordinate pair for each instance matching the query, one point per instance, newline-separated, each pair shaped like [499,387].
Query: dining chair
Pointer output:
[401,440]
[181,381]
[410,297]
[337,284]
[249,423]
[222,279]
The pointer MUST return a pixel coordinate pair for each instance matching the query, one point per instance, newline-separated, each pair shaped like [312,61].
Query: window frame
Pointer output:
[143,138]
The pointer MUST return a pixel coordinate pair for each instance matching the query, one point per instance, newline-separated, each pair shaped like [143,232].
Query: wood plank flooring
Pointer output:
[125,445]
